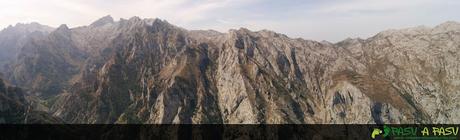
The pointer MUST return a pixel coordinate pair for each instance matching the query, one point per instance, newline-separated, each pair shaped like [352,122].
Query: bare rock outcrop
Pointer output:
[150,71]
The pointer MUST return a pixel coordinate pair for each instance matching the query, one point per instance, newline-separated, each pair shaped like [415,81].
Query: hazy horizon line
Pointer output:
[228,30]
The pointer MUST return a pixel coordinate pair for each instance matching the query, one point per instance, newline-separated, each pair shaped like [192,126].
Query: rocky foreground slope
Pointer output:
[149,71]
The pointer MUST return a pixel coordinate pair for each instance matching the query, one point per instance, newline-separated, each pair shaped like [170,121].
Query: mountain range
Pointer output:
[150,71]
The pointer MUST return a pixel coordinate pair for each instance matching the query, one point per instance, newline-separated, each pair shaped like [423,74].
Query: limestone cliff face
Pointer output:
[418,65]
[150,71]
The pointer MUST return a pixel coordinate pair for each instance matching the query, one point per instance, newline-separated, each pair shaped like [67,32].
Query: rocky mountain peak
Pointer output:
[9,27]
[239,33]
[27,28]
[262,33]
[135,19]
[269,33]
[13,38]
[62,27]
[150,21]
[132,23]
[62,30]
[103,21]
[447,26]
[406,31]
[161,25]
[423,30]
[157,21]
[241,30]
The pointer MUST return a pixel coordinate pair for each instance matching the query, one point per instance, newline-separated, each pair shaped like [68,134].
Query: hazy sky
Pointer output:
[331,20]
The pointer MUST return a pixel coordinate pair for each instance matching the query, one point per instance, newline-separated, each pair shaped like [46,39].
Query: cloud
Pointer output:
[80,12]
[352,6]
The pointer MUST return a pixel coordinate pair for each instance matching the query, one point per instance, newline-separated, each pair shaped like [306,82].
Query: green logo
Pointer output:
[376,132]
[387,130]
[408,132]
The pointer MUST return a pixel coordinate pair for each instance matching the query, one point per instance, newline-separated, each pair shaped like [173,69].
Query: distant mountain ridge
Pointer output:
[13,37]
[150,71]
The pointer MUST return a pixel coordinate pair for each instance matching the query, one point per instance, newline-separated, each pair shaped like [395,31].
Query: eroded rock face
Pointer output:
[420,64]
[149,71]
